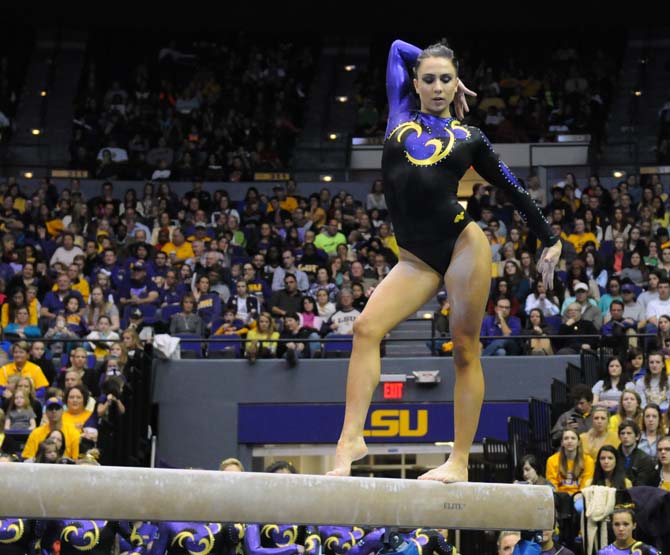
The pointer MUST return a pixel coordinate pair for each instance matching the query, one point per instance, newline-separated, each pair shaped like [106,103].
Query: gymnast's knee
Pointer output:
[367,329]
[466,351]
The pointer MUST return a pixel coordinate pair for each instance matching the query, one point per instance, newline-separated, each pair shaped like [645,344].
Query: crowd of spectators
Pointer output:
[525,93]
[92,277]
[217,110]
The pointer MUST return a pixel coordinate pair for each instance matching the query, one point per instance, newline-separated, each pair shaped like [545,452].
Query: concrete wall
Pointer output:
[198,399]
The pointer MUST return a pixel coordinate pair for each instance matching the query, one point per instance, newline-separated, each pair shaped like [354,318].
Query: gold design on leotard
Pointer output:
[311,543]
[418,536]
[135,537]
[440,150]
[455,125]
[268,529]
[331,543]
[93,536]
[207,543]
[459,217]
[18,529]
[352,538]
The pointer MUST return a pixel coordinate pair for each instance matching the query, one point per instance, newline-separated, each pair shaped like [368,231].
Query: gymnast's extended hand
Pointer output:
[460,103]
[547,264]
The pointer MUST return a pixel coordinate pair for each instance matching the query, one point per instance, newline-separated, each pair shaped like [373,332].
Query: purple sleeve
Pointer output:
[399,88]
[252,544]
[372,542]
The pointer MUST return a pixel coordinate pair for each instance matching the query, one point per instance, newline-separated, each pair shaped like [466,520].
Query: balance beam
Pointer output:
[118,493]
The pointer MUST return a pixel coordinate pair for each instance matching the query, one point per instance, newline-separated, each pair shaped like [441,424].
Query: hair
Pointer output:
[601,409]
[67,299]
[543,320]
[40,457]
[624,509]
[607,379]
[661,418]
[123,359]
[436,50]
[230,461]
[280,465]
[563,458]
[618,477]
[62,440]
[293,315]
[82,389]
[23,345]
[504,534]
[104,307]
[273,325]
[188,297]
[312,300]
[664,375]
[629,423]
[638,412]
[31,389]
[581,391]
[137,344]
[12,401]
[533,462]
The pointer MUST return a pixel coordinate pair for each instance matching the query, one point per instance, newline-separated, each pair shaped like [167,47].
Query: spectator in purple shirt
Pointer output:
[54,301]
[503,328]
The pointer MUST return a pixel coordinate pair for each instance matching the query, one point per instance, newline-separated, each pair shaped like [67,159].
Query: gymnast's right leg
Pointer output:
[409,285]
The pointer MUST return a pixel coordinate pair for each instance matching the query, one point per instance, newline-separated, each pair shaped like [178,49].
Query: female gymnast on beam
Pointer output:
[426,152]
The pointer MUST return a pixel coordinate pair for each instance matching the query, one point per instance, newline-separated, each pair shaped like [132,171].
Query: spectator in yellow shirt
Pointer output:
[570,469]
[579,237]
[179,249]
[22,366]
[598,435]
[54,417]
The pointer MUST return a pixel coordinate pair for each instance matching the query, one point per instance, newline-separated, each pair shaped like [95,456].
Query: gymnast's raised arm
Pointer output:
[399,87]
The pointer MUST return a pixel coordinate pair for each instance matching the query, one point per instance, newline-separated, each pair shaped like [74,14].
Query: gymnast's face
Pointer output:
[436,85]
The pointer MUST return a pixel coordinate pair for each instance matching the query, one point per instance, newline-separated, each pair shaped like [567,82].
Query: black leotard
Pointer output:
[424,158]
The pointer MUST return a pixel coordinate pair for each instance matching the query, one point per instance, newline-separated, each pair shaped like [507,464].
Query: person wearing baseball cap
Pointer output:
[589,307]
[53,409]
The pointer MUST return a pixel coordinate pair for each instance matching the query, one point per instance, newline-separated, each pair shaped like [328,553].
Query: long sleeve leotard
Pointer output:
[424,158]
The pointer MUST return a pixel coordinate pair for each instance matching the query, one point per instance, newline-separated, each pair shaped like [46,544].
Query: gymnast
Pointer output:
[426,152]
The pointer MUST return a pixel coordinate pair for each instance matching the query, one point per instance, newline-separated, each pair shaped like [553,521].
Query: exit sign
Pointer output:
[393,390]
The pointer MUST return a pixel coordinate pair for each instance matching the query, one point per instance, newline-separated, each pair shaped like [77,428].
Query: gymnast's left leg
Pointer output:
[468,280]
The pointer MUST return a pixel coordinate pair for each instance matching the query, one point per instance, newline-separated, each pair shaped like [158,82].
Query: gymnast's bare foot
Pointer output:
[448,472]
[347,452]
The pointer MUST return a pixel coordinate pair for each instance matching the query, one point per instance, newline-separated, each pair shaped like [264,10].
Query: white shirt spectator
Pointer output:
[161,174]
[658,308]
[646,297]
[117,154]
[344,321]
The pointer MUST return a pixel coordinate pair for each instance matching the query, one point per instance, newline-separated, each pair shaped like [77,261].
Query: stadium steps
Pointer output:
[315,153]
[54,67]
[636,118]
[411,329]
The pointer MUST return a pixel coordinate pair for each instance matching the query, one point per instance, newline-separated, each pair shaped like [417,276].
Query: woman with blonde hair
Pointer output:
[262,340]
[599,434]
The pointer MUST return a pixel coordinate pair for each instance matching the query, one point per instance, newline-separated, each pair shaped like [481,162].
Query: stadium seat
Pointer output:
[340,345]
[191,345]
[225,349]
